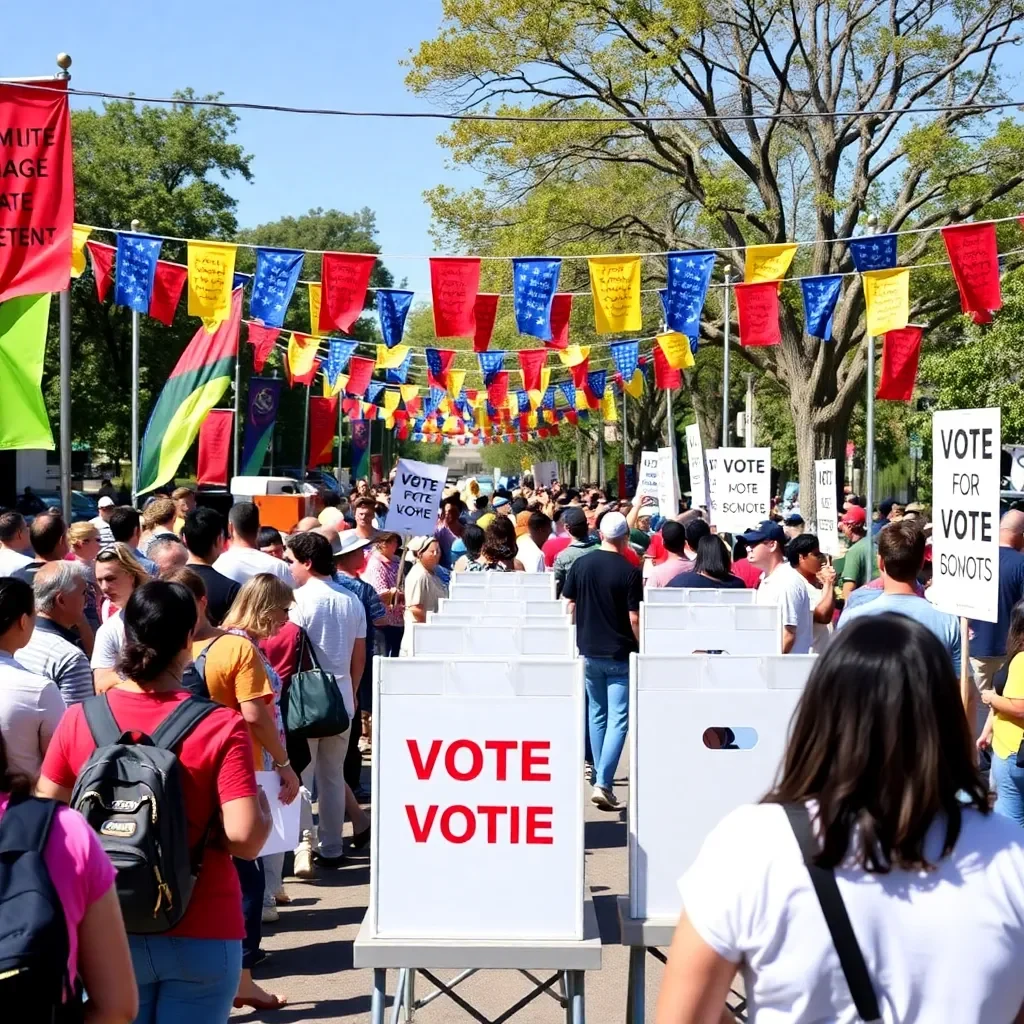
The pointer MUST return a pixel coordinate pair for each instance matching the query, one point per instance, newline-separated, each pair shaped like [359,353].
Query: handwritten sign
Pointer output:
[211,272]
[887,298]
[825,505]
[454,283]
[974,260]
[344,278]
[615,285]
[741,487]
[647,485]
[757,306]
[698,473]
[767,262]
[965,512]
[415,497]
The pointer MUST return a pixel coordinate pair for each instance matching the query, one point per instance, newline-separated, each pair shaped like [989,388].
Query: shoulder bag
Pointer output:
[315,705]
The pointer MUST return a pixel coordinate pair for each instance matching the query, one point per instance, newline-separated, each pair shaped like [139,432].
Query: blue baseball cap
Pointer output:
[767,530]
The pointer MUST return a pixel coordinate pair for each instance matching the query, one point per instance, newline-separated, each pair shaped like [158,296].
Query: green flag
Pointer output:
[23,421]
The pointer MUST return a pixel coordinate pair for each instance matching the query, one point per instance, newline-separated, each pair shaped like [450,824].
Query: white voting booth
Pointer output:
[698,595]
[494,621]
[710,628]
[507,586]
[494,605]
[549,637]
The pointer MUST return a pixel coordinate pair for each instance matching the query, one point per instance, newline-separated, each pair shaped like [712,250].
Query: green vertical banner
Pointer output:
[23,419]
[360,450]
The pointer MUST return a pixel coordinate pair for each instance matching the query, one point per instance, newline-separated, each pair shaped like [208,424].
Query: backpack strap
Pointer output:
[26,825]
[851,959]
[181,721]
[100,719]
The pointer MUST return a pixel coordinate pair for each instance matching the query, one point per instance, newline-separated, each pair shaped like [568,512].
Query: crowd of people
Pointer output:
[139,611]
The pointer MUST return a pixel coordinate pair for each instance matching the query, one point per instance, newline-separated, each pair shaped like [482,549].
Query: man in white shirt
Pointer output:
[102,521]
[531,545]
[15,545]
[781,584]
[243,559]
[805,556]
[334,620]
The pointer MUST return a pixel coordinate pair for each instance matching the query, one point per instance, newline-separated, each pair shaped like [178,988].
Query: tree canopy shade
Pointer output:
[724,184]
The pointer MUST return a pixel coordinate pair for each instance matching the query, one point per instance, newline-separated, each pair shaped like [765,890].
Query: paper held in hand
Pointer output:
[284,836]
[415,498]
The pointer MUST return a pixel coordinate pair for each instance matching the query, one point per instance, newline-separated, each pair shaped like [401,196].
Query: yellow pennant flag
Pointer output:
[211,271]
[450,425]
[531,420]
[314,307]
[480,417]
[676,349]
[390,358]
[581,399]
[391,400]
[550,416]
[887,297]
[545,379]
[609,410]
[79,236]
[302,351]
[635,387]
[389,423]
[573,355]
[456,378]
[615,286]
[768,262]
[339,384]
[512,404]
[409,391]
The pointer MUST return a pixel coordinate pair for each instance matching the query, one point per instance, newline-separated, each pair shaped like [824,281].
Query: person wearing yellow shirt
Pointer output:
[1006,725]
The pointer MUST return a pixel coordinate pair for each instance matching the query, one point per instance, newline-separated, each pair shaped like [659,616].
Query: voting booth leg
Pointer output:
[380,982]
[409,996]
[637,983]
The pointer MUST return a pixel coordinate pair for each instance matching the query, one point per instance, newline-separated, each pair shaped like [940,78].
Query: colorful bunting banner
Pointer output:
[887,298]
[634,387]
[573,355]
[79,236]
[315,295]
[676,349]
[23,420]
[102,257]
[277,273]
[302,358]
[168,284]
[579,373]
[767,262]
[485,312]
[533,287]
[665,378]
[531,361]
[456,378]
[211,270]
[360,371]
[596,381]
[392,309]
[561,310]
[626,356]
[497,388]
[134,271]
[399,374]
[390,358]
[820,295]
[339,352]
[688,276]
[900,352]
[239,280]
[490,364]
[439,361]
[262,340]
[264,398]
[454,283]
[974,259]
[873,252]
[373,390]
[757,307]
[344,278]
[323,427]
[615,286]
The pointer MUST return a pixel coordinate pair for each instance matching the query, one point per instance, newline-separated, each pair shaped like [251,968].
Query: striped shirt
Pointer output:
[53,653]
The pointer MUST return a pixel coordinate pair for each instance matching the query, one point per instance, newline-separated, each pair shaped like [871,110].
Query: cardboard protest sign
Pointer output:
[740,482]
[647,484]
[415,497]
[825,506]
[668,483]
[698,472]
[544,473]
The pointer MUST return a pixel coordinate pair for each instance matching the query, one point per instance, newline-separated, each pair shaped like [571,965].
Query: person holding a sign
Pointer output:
[820,582]
[781,584]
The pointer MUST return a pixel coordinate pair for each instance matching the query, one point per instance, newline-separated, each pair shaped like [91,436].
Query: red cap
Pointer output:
[855,516]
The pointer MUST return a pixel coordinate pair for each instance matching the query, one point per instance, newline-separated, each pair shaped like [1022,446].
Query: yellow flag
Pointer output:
[391,400]
[887,297]
[545,379]
[676,348]
[531,420]
[609,410]
[389,422]
[480,417]
[581,399]
[615,286]
[635,387]
[301,354]
[327,389]
[314,307]
[512,404]
[409,391]
[768,262]
[79,236]
[573,355]
[456,378]
[549,416]
[390,358]
[450,425]
[339,384]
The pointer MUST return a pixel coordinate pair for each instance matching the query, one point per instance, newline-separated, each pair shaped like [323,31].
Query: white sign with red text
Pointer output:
[478,801]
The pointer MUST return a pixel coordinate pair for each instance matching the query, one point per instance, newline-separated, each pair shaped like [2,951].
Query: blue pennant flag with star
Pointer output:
[820,297]
[492,413]
[277,273]
[398,374]
[626,355]
[490,364]
[663,295]
[392,308]
[568,389]
[338,355]
[686,288]
[373,390]
[873,252]
[437,395]
[524,401]
[534,283]
[135,270]
[596,381]
[240,280]
[549,398]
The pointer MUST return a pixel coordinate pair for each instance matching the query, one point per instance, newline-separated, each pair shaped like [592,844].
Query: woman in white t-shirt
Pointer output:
[118,575]
[881,759]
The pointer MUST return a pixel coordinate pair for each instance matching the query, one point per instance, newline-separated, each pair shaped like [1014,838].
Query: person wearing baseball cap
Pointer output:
[604,593]
[782,585]
[102,521]
[856,570]
[574,519]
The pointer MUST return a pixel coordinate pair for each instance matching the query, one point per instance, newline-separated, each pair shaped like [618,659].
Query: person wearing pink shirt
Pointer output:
[674,538]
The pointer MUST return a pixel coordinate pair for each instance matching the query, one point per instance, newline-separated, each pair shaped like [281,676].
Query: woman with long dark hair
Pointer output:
[1005,727]
[879,792]
[711,568]
[498,553]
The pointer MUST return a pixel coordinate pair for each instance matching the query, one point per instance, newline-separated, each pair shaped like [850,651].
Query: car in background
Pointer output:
[83,506]
[316,477]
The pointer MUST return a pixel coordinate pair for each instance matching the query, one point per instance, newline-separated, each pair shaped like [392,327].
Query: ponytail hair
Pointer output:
[158,621]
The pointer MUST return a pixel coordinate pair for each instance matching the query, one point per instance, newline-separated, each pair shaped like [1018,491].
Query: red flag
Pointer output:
[758,308]
[454,283]
[974,259]
[344,278]
[262,340]
[665,377]
[35,163]
[215,438]
[403,431]
[900,352]
[168,283]
[532,360]
[102,266]
[323,426]
[305,378]
[572,416]
[485,311]
[360,370]
[561,307]
[579,373]
[497,390]
[439,362]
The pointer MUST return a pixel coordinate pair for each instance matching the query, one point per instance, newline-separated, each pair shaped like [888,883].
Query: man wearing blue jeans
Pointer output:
[604,593]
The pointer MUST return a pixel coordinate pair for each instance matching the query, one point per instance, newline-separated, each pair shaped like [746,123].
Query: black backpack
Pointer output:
[131,794]
[34,982]
[193,678]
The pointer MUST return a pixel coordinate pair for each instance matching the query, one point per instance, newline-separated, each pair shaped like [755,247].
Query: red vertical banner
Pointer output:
[38,188]
[485,310]
[454,283]
[215,443]
[974,260]
[561,309]
[757,306]
[344,278]
[323,428]
[900,353]
[665,377]
[532,361]
[168,284]
[102,257]
[497,390]
[360,371]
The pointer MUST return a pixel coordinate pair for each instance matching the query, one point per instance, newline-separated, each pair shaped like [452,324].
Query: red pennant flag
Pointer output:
[484,313]
[497,390]
[572,416]
[900,352]
[414,406]
[554,430]
[532,360]
[323,426]
[262,340]
[524,435]
[102,266]
[215,437]
[665,377]
[579,373]
[758,309]
[439,362]
[360,370]
[305,378]
[352,408]
[168,283]
[344,278]
[403,431]
[561,307]
[974,259]
[454,283]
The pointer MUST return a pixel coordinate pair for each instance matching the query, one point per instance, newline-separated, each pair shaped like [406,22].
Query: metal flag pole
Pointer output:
[600,449]
[748,414]
[64,62]
[341,437]
[869,430]
[305,435]
[135,225]
[726,357]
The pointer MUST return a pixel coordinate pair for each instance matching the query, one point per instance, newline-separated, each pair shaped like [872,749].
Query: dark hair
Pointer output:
[453,499]
[245,521]
[16,599]
[123,523]
[880,740]
[579,529]
[268,536]
[188,578]
[158,619]
[364,502]
[518,505]
[481,502]
[47,531]
[696,529]
[473,538]
[11,524]
[1015,635]
[713,558]
[315,549]
[500,540]
[203,528]
[673,536]
[802,544]
[739,550]
[901,550]
[538,522]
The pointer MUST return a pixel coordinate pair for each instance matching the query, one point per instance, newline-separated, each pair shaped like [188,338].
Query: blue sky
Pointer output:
[327,53]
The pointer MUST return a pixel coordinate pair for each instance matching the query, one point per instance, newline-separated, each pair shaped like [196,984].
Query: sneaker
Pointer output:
[331,863]
[270,915]
[604,798]
[588,772]
[304,861]
[282,898]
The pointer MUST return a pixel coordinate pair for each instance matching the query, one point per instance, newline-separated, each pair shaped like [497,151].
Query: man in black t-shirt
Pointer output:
[604,593]
[203,534]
